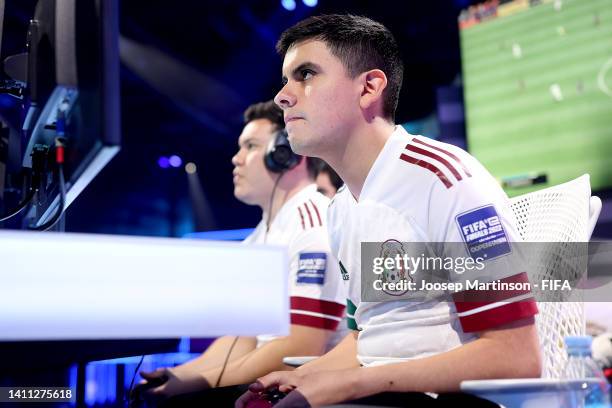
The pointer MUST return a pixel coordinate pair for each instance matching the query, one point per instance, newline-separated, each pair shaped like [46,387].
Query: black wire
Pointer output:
[60,208]
[229,353]
[127,398]
[268,222]
[38,156]
[28,198]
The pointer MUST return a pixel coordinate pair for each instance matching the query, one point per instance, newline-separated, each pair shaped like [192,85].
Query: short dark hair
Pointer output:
[360,43]
[265,110]
[270,111]
[313,164]
[333,176]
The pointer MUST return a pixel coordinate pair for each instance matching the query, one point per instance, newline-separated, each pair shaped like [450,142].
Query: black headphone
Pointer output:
[279,156]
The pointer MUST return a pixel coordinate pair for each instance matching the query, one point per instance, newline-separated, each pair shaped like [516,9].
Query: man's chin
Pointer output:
[243,197]
[298,146]
[240,196]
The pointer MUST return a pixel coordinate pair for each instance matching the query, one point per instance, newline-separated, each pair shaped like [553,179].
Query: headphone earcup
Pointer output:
[279,156]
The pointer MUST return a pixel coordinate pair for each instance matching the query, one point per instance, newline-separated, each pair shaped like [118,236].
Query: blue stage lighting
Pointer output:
[310,3]
[175,161]
[163,162]
[288,4]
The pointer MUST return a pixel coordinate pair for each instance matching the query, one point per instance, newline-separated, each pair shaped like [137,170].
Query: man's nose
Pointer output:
[236,159]
[285,98]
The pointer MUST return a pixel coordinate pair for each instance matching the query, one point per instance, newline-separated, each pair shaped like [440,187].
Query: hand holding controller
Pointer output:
[266,399]
[136,396]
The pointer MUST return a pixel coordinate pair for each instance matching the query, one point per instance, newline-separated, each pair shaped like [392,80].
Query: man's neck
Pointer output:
[355,158]
[284,192]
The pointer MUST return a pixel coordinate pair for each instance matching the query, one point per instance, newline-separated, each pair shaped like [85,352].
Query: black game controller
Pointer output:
[267,399]
[136,399]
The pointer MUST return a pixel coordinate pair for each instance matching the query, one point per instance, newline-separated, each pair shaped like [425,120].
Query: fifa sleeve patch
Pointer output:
[311,267]
[483,233]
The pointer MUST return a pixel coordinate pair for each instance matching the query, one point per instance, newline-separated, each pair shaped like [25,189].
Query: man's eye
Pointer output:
[250,146]
[306,74]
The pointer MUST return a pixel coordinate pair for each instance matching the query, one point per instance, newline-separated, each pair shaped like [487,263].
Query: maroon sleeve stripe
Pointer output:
[309,214]
[314,321]
[316,306]
[317,212]
[428,166]
[434,156]
[498,316]
[446,152]
[472,299]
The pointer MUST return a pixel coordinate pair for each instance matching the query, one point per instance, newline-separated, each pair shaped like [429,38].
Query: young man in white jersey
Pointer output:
[342,75]
[268,174]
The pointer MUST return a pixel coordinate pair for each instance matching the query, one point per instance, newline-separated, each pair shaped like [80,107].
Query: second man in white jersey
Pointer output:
[294,215]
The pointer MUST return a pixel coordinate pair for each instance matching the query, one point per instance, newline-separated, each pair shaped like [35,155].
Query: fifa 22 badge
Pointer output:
[392,249]
[483,233]
[311,267]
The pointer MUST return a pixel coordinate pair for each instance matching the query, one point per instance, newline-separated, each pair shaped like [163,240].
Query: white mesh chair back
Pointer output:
[556,214]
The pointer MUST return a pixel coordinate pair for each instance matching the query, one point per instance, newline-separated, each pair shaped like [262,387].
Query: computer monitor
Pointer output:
[70,77]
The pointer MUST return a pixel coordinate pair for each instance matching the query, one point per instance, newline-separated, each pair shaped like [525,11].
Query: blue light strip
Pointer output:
[221,235]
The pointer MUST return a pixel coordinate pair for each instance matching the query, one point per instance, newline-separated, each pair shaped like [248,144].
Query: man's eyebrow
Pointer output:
[246,140]
[301,67]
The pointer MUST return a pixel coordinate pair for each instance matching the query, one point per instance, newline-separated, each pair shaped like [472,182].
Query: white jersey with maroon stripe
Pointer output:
[421,190]
[317,292]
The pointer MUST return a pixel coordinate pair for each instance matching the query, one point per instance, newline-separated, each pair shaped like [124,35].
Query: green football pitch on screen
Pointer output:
[538,94]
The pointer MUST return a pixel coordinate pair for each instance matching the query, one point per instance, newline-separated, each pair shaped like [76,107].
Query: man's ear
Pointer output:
[374,83]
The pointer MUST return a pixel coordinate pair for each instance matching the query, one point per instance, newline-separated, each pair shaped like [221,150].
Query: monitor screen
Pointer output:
[538,90]
[69,74]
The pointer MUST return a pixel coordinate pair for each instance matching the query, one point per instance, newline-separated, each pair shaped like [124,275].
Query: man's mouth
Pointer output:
[292,119]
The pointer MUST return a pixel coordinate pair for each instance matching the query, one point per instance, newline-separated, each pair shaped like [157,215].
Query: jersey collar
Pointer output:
[379,163]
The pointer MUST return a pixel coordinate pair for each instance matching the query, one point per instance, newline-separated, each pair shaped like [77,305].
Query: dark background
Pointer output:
[189,69]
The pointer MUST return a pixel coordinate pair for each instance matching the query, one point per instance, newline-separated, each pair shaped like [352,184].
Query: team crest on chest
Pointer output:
[392,248]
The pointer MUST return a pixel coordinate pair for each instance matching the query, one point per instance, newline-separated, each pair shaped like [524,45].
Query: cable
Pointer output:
[39,157]
[23,204]
[59,159]
[268,221]
[229,353]
[127,398]
[60,208]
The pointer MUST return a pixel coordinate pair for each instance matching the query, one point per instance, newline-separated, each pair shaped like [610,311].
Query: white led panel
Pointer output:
[79,286]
